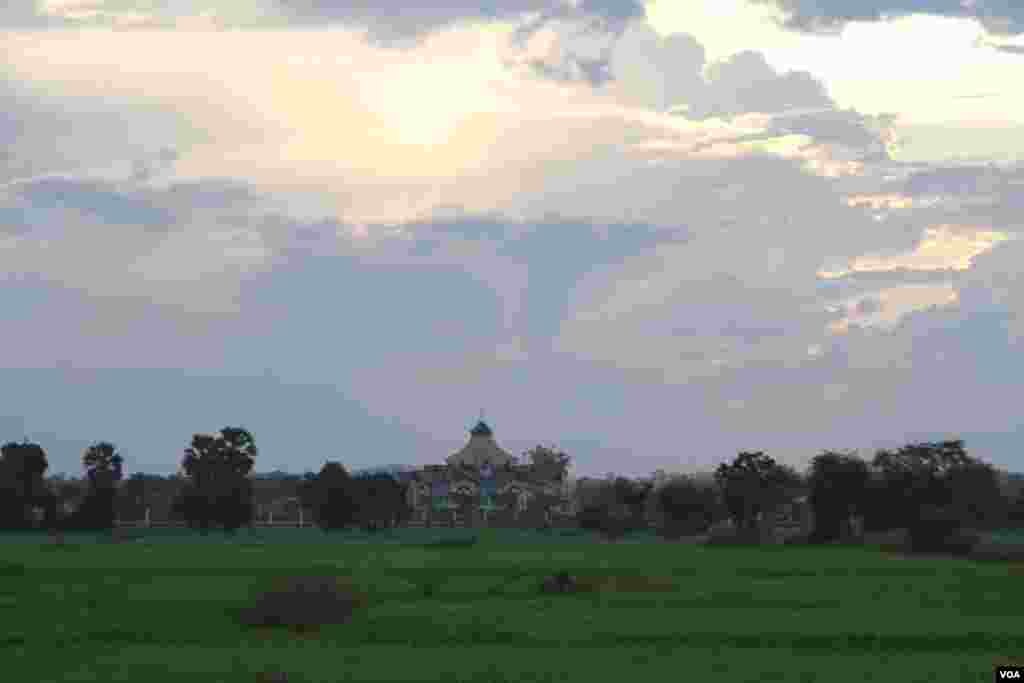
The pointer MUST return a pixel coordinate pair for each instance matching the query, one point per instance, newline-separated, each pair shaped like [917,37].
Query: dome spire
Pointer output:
[481,428]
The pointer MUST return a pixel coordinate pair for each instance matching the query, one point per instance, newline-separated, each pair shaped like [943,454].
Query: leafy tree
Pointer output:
[136,494]
[910,478]
[752,485]
[218,489]
[23,488]
[839,484]
[686,506]
[976,498]
[331,497]
[102,464]
[548,462]
[633,496]
[613,507]
[934,490]
[380,501]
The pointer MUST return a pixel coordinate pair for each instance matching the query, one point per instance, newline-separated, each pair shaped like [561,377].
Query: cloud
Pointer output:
[745,82]
[549,242]
[1011,49]
[670,72]
[1004,17]
[172,246]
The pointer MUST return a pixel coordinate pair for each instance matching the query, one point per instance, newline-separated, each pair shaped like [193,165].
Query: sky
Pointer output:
[650,234]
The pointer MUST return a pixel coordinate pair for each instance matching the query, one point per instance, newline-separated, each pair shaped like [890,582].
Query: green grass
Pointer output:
[161,612]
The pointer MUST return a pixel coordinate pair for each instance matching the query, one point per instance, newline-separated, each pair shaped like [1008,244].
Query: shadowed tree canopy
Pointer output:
[102,464]
[219,489]
[752,485]
[839,485]
[687,507]
[22,485]
[548,462]
[380,501]
[330,496]
[614,508]
[938,476]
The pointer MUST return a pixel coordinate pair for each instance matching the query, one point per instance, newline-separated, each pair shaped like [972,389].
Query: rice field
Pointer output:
[443,609]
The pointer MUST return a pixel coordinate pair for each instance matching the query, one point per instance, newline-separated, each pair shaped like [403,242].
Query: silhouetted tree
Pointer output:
[218,490]
[838,484]
[547,464]
[102,465]
[753,484]
[913,477]
[687,507]
[632,495]
[331,497]
[614,507]
[976,497]
[23,488]
[136,493]
[380,501]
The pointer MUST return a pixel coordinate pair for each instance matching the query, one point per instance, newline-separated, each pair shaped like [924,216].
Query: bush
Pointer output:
[561,582]
[305,601]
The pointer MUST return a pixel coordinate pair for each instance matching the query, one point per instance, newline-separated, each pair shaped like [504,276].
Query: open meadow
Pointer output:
[165,609]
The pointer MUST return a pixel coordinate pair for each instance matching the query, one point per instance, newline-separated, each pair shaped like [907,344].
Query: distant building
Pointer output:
[481,484]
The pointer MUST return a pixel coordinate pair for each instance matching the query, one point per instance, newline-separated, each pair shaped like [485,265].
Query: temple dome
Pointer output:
[481,429]
[480,450]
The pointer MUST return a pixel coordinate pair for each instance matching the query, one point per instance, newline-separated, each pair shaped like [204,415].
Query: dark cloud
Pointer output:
[1004,17]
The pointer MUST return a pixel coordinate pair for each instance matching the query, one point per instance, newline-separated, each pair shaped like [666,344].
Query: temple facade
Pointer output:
[483,485]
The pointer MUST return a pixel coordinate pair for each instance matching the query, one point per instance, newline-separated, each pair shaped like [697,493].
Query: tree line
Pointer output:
[931,489]
[217,489]
[217,492]
[934,491]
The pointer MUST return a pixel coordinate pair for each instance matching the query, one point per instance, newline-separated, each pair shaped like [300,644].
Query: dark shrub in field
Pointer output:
[274,677]
[305,601]
[561,582]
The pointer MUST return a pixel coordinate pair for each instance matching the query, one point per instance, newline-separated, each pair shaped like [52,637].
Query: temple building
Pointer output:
[482,484]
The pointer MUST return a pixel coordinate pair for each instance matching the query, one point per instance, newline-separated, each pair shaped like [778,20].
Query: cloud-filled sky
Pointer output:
[651,234]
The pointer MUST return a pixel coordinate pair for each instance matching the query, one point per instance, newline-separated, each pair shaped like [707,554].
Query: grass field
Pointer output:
[158,611]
